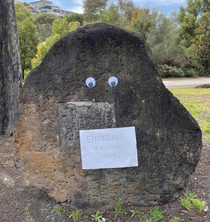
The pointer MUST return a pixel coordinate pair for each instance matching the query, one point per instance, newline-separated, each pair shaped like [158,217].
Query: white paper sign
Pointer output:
[108,148]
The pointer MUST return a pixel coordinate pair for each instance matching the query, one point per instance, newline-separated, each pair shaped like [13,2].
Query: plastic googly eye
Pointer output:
[113,81]
[90,82]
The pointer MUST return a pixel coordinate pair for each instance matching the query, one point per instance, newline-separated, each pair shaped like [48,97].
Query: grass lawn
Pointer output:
[197,102]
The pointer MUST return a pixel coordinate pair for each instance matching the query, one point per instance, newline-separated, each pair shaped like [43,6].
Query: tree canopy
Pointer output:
[28,36]
[92,9]
[43,23]
[60,28]
[195,34]
[183,38]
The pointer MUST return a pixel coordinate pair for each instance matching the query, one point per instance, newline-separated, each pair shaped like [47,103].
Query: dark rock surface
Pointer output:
[9,67]
[73,116]
[168,138]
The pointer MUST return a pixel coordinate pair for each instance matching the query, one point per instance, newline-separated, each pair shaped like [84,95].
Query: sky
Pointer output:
[166,6]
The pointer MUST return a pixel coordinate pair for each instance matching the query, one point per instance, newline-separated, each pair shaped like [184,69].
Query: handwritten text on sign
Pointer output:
[108,148]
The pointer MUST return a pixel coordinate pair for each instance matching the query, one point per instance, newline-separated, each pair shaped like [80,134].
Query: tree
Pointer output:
[161,38]
[21,12]
[194,31]
[160,34]
[189,19]
[111,15]
[43,22]
[59,29]
[92,9]
[126,8]
[43,48]
[75,18]
[118,14]
[141,21]
[200,47]
[10,70]
[28,36]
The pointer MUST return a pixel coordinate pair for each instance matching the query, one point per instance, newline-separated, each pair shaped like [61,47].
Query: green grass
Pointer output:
[136,213]
[75,215]
[197,105]
[119,209]
[190,202]
[185,202]
[174,219]
[156,213]
[199,205]
[191,91]
[58,209]
[96,216]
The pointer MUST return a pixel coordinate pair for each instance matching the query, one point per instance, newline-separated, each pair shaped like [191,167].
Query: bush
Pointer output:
[190,72]
[167,71]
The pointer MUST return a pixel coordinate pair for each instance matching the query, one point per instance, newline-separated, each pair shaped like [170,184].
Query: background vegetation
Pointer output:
[178,44]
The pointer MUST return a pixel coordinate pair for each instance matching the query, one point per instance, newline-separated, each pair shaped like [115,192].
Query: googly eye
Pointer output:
[113,81]
[90,82]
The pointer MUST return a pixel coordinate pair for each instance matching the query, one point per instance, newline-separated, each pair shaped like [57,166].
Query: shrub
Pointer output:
[167,71]
[190,72]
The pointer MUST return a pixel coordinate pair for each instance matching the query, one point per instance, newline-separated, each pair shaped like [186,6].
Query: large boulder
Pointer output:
[56,104]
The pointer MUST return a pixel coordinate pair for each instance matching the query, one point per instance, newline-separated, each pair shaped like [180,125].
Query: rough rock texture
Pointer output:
[73,116]
[168,138]
[9,66]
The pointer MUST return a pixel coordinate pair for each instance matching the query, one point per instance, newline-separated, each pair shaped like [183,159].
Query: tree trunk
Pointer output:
[10,69]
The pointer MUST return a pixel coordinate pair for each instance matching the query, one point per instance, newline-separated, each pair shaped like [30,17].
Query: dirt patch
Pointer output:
[21,202]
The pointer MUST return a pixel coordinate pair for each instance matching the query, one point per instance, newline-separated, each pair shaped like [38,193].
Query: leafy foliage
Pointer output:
[199,205]
[195,33]
[174,219]
[111,15]
[182,39]
[58,209]
[136,213]
[190,201]
[141,21]
[43,23]
[96,216]
[156,213]
[59,29]
[21,12]
[126,8]
[117,14]
[118,208]
[28,36]
[76,18]
[44,18]
[170,71]
[43,48]
[92,9]
[75,214]
[161,35]
[200,47]
[185,202]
